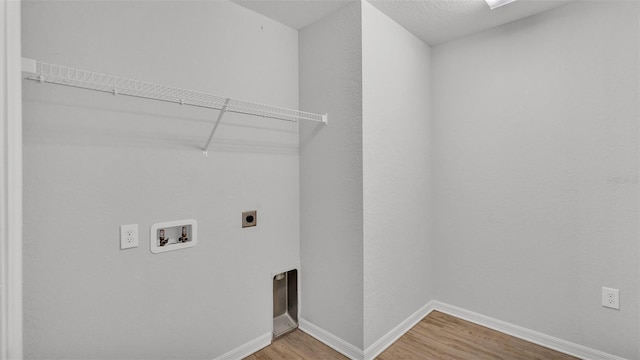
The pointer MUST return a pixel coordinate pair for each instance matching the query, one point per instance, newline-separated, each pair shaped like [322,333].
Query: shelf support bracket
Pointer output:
[215,126]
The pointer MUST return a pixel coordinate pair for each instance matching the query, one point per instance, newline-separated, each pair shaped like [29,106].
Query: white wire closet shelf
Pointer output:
[68,76]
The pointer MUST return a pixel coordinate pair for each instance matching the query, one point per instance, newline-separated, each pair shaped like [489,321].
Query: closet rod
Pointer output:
[72,77]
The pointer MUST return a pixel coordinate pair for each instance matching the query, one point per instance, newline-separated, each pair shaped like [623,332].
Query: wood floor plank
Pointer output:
[441,336]
[297,345]
[437,337]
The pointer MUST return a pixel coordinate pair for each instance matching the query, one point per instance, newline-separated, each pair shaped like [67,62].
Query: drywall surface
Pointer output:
[536,173]
[331,175]
[93,162]
[396,179]
[439,21]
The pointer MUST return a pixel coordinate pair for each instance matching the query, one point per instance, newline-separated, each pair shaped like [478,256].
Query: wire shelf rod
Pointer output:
[72,77]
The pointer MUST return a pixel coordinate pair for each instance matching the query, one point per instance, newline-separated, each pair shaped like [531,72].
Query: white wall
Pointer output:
[93,161]
[534,181]
[331,248]
[396,178]
[536,173]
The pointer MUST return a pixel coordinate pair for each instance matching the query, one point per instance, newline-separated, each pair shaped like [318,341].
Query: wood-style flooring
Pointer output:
[437,337]
[296,345]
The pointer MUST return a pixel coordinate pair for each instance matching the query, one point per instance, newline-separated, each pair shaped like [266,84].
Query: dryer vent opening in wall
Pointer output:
[285,302]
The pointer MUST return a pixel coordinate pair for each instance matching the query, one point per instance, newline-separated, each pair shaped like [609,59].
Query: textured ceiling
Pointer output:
[294,13]
[438,21]
[433,21]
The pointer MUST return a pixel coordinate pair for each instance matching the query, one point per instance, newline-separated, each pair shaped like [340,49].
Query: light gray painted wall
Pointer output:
[536,173]
[537,158]
[396,181]
[93,161]
[331,249]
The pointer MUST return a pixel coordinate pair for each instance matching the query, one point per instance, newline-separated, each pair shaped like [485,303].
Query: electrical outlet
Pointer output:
[249,218]
[128,236]
[611,298]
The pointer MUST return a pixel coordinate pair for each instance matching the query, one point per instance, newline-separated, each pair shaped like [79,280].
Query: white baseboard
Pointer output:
[392,336]
[354,353]
[247,349]
[334,342]
[535,337]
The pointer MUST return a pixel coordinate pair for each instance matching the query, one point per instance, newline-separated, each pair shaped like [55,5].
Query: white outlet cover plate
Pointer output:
[128,236]
[611,298]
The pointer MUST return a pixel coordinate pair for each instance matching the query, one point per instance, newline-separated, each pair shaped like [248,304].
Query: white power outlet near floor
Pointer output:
[611,298]
[128,236]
